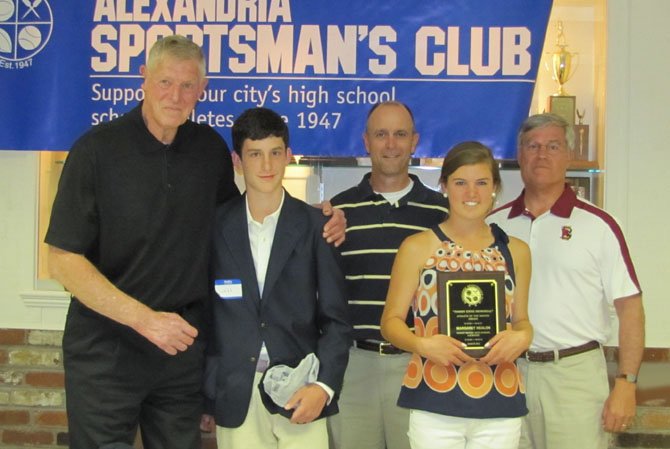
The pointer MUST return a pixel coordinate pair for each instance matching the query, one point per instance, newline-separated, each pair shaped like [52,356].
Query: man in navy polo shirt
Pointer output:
[387,205]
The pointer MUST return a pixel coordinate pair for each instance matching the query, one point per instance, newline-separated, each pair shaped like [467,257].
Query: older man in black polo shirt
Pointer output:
[129,237]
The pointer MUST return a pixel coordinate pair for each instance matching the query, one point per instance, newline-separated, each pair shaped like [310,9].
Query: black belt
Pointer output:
[383,348]
[550,356]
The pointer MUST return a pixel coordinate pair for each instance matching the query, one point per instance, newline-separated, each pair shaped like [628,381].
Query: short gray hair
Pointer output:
[178,47]
[547,119]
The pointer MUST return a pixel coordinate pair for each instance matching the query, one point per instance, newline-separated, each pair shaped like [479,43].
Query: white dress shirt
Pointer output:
[261,236]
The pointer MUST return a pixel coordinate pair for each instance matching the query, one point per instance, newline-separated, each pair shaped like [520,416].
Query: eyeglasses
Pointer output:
[551,147]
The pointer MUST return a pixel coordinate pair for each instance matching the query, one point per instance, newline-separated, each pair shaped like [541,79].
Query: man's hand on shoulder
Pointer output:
[335,228]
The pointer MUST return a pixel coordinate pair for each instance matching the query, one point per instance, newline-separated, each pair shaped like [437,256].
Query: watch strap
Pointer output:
[632,378]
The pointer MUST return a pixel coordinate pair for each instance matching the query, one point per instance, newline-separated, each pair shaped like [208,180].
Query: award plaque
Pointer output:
[563,105]
[471,307]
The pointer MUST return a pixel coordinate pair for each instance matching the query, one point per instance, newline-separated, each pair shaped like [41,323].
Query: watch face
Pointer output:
[632,378]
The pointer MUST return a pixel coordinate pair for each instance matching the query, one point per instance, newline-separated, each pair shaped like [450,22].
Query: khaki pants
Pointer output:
[261,430]
[565,401]
[369,417]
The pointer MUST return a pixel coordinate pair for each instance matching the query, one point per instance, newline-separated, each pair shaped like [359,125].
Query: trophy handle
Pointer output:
[574,64]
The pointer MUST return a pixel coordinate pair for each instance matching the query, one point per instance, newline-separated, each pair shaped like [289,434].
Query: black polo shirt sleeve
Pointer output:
[227,187]
[74,217]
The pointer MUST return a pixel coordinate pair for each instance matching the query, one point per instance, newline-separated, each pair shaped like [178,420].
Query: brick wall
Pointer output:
[32,399]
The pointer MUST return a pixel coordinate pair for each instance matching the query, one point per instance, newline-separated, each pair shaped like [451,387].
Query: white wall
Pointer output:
[21,305]
[637,186]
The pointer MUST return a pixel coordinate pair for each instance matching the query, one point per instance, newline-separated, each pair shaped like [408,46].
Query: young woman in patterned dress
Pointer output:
[458,401]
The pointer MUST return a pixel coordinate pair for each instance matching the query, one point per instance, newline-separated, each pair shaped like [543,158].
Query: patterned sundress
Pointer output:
[474,390]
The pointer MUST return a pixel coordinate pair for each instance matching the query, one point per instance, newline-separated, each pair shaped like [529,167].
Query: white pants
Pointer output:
[263,430]
[433,431]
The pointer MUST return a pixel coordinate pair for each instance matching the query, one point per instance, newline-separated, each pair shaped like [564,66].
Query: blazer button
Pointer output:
[252,359]
[263,325]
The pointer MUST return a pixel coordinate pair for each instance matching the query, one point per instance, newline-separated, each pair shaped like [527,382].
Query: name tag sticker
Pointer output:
[228,288]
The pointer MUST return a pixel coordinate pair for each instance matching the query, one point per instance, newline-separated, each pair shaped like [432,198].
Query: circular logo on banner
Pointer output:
[25,29]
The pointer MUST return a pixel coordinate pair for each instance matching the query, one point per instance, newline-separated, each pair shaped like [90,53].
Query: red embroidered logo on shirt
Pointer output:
[566,232]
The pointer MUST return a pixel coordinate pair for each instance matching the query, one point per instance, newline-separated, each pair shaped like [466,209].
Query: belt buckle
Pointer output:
[554,354]
[382,345]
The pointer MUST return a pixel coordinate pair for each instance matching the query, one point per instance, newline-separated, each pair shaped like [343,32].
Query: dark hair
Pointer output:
[257,124]
[390,103]
[470,153]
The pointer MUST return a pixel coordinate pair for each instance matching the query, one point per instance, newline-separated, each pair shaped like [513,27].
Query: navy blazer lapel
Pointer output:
[290,229]
[235,233]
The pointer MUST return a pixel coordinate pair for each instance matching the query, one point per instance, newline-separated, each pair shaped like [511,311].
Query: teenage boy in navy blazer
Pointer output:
[278,296]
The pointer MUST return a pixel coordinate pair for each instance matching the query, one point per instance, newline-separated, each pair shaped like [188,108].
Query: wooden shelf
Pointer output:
[584,166]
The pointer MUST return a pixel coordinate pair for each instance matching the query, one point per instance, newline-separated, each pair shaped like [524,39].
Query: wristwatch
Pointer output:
[632,378]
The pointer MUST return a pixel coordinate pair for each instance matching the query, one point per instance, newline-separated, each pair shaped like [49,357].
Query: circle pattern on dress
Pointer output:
[506,379]
[419,328]
[475,379]
[414,372]
[432,327]
[440,378]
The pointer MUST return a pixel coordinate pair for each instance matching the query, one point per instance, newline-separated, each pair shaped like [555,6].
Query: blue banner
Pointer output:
[467,68]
